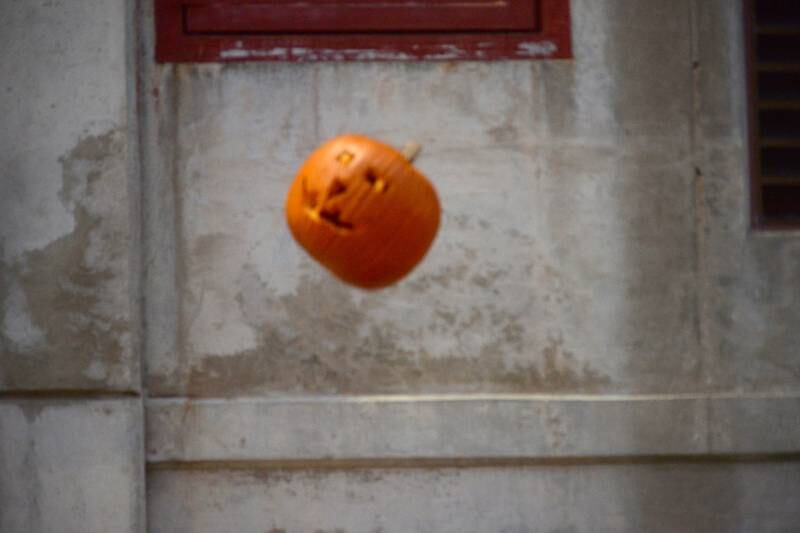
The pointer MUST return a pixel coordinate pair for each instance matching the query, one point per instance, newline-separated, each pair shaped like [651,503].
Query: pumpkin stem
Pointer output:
[410,151]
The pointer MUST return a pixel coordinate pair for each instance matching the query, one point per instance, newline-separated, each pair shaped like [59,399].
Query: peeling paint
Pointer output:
[447,52]
[537,49]
[239,53]
[316,54]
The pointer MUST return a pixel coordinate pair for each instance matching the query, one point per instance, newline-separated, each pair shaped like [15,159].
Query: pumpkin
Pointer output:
[363,211]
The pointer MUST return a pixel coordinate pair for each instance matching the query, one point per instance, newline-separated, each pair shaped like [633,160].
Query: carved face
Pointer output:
[363,211]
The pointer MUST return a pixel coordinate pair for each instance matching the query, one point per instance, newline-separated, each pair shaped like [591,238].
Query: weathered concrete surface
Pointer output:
[751,280]
[368,428]
[71,466]
[595,235]
[467,428]
[670,497]
[595,245]
[66,236]
[567,258]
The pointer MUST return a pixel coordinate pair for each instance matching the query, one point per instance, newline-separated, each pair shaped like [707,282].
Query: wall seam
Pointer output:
[136,193]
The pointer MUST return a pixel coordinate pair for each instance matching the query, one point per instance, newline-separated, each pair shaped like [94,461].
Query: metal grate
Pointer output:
[773,48]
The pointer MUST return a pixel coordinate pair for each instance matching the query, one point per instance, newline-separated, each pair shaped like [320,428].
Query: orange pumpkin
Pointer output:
[363,211]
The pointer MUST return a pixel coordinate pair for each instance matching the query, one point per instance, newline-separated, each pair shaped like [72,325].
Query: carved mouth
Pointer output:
[333,217]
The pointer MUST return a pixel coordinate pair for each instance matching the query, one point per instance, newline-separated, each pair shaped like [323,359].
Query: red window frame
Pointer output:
[361,30]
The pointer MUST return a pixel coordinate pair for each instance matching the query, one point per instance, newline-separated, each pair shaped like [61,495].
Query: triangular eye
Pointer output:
[377,183]
[336,188]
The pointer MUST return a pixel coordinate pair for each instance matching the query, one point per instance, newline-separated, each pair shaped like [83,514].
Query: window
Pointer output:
[359,30]
[773,45]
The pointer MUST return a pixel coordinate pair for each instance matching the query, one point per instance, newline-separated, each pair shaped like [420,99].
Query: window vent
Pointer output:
[773,46]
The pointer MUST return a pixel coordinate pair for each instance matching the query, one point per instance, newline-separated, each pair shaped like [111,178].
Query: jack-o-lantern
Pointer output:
[363,211]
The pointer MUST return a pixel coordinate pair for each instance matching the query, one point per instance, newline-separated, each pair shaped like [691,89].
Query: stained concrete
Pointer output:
[71,466]
[67,231]
[750,280]
[594,308]
[597,340]
[559,498]
[314,431]
[570,258]
[71,425]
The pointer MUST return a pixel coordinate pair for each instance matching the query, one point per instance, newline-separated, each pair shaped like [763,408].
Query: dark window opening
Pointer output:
[773,47]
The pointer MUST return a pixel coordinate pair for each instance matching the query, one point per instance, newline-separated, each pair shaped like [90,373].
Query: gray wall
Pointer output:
[595,235]
[71,417]
[596,342]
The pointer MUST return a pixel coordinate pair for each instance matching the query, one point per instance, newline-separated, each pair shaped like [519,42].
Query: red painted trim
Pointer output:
[548,35]
[283,18]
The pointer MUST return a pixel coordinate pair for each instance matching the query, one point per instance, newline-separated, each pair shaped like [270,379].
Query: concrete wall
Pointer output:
[517,499]
[596,341]
[595,235]
[71,420]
